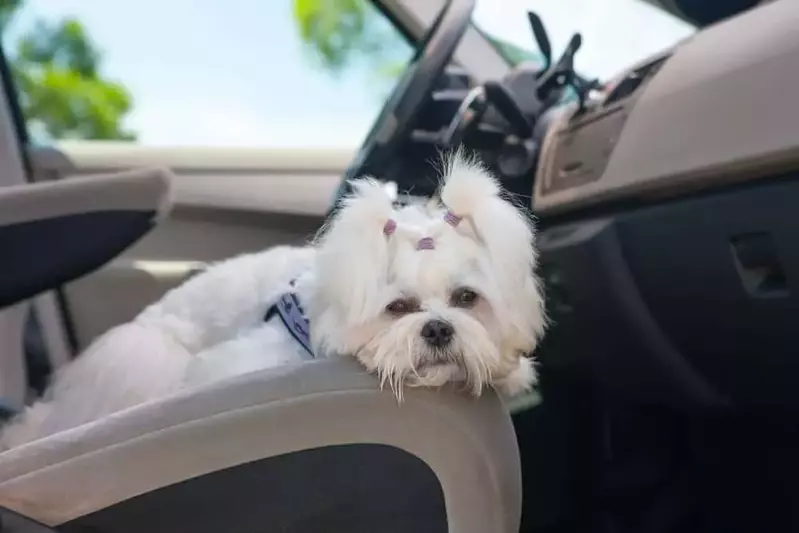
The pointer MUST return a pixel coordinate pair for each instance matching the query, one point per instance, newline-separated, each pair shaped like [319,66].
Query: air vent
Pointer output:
[633,81]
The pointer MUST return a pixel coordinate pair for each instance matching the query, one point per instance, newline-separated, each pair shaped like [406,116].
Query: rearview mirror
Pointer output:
[13,522]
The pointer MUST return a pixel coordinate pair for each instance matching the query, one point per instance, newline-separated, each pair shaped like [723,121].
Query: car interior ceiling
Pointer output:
[669,395]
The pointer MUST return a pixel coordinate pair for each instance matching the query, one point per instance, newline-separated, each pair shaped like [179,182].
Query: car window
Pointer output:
[616,33]
[276,73]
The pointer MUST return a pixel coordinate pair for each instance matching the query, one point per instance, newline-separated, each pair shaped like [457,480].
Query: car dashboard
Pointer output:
[667,221]
[715,109]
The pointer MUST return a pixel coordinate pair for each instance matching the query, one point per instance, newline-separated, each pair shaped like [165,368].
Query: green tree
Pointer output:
[62,93]
[340,32]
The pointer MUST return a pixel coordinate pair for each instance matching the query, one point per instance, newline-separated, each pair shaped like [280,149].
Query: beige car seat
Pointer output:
[304,449]
[308,448]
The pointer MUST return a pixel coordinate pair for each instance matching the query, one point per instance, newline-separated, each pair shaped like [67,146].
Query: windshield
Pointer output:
[616,33]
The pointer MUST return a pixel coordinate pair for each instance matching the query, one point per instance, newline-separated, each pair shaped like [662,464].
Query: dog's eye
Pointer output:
[403,306]
[463,297]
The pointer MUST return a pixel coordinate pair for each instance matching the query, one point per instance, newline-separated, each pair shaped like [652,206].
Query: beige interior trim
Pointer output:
[69,156]
[139,190]
[167,270]
[53,330]
[300,182]
[298,194]
[468,443]
[13,374]
[719,111]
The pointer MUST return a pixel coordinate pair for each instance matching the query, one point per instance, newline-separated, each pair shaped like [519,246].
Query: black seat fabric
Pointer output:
[365,488]
[52,233]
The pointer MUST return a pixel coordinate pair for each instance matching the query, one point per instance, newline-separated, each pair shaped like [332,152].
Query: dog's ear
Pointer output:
[352,250]
[472,193]
[475,198]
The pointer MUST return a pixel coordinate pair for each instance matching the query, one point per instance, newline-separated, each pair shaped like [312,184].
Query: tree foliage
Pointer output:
[62,93]
[340,32]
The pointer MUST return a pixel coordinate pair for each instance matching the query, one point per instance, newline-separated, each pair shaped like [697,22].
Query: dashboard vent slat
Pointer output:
[627,86]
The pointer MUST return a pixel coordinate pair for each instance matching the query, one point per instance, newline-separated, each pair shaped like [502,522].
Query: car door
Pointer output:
[255,111]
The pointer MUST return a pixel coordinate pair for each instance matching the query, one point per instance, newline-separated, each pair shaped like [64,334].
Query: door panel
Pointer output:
[227,202]
[43,310]
[13,376]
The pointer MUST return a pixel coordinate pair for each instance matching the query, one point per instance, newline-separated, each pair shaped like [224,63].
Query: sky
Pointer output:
[234,72]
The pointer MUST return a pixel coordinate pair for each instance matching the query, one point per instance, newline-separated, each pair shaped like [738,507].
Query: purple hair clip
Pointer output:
[390,227]
[451,218]
[426,243]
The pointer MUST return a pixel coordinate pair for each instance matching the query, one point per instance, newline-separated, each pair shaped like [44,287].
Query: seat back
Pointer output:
[307,448]
[52,233]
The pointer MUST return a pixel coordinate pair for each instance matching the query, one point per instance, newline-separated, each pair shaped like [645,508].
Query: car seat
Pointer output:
[54,232]
[311,447]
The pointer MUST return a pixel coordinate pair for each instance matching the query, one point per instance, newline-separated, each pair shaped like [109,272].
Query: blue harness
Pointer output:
[291,313]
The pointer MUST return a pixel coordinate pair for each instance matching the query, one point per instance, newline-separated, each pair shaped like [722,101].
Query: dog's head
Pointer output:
[423,295]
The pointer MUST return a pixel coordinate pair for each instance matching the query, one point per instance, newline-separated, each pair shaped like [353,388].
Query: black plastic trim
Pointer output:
[690,302]
[369,488]
[602,323]
[40,255]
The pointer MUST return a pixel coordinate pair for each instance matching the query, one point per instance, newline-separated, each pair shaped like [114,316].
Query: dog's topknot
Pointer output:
[470,191]
[467,185]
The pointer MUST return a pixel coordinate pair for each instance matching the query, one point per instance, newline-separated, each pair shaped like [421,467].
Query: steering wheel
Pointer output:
[396,120]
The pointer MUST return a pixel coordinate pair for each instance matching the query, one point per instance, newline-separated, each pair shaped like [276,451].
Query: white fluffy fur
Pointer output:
[212,326]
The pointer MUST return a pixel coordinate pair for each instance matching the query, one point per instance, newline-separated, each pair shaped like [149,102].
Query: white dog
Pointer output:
[421,295]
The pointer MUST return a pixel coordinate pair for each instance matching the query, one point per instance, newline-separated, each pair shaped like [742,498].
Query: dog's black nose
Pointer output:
[437,333]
